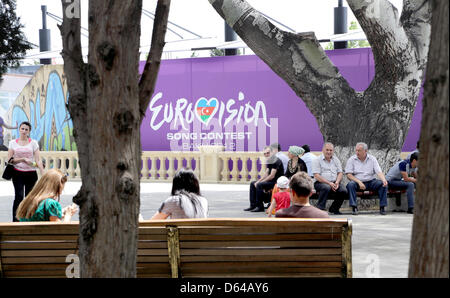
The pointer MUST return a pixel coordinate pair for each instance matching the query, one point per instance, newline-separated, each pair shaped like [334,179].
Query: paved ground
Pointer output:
[380,243]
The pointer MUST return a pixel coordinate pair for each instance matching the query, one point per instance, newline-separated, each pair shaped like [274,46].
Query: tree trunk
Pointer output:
[429,244]
[381,115]
[105,108]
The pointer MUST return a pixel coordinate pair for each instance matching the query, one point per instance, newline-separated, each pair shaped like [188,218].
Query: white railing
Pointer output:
[211,164]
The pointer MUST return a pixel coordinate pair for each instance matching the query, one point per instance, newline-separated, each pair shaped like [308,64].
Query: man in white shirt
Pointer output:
[360,170]
[327,170]
[309,159]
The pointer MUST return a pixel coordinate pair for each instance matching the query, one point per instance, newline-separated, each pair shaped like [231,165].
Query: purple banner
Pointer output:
[239,102]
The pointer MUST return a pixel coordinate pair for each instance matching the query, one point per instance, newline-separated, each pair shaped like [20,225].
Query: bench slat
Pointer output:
[273,237]
[239,222]
[258,230]
[274,258]
[38,253]
[273,269]
[261,252]
[38,245]
[215,244]
[262,265]
[39,237]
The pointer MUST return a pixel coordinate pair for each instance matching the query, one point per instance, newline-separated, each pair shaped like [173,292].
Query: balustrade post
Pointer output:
[210,163]
[153,170]
[144,171]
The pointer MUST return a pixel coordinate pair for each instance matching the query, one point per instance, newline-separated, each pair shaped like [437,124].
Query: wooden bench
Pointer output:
[194,248]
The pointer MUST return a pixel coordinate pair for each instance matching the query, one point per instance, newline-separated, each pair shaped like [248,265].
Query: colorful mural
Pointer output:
[43,103]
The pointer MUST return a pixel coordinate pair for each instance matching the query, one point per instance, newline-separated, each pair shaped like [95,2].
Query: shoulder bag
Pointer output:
[8,171]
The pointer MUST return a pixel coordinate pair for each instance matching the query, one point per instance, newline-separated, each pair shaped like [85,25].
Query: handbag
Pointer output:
[8,171]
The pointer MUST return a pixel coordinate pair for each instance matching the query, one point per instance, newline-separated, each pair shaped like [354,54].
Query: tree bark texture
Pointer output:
[379,116]
[105,108]
[429,243]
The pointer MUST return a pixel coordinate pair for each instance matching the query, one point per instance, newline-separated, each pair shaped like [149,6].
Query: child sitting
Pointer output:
[281,199]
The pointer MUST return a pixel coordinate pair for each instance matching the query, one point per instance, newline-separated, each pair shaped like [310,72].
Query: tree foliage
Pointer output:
[13,44]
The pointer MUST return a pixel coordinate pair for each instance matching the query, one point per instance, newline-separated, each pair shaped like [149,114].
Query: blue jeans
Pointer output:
[409,186]
[373,185]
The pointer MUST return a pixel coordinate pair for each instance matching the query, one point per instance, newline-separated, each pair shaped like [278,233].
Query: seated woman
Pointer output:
[185,200]
[295,163]
[42,203]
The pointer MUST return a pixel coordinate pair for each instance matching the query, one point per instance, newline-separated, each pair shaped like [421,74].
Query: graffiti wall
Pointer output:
[42,102]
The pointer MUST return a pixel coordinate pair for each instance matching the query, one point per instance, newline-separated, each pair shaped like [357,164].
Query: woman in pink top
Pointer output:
[25,156]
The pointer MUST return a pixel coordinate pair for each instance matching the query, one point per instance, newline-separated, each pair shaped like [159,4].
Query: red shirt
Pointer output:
[283,200]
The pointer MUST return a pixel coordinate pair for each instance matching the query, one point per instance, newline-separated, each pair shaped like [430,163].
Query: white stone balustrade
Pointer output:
[211,164]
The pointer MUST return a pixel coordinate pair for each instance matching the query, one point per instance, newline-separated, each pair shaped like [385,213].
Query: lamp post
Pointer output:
[230,35]
[44,37]
[340,24]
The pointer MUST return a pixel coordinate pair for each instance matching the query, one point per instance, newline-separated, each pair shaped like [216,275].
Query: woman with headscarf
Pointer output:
[295,163]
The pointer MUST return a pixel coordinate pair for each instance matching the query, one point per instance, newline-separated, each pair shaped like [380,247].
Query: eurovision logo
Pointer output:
[182,112]
[206,109]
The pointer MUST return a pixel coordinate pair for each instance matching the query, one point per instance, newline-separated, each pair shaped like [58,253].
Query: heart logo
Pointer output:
[206,109]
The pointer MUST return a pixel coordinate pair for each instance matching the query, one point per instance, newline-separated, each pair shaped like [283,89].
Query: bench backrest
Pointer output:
[195,248]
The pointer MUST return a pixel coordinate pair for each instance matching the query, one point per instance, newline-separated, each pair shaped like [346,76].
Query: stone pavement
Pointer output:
[380,244]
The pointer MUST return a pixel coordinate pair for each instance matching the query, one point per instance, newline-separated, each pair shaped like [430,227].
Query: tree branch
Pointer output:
[296,58]
[416,21]
[148,79]
[74,67]
[75,71]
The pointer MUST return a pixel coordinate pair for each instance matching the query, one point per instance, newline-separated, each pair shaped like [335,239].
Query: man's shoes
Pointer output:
[335,212]
[355,211]
[249,208]
[257,209]
[410,211]
[382,212]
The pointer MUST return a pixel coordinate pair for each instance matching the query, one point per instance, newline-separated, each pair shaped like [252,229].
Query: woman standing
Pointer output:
[26,158]
[185,200]
[42,203]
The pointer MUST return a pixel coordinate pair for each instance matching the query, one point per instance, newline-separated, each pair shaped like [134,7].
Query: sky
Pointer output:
[197,16]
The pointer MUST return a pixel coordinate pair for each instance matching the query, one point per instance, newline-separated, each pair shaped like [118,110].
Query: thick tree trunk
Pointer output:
[105,108]
[381,115]
[429,243]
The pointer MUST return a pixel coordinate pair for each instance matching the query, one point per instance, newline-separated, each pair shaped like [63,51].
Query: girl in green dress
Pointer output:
[42,203]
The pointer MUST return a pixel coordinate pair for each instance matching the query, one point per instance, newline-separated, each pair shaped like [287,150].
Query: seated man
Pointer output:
[266,182]
[327,170]
[360,169]
[414,173]
[301,186]
[276,147]
[398,177]
[309,158]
